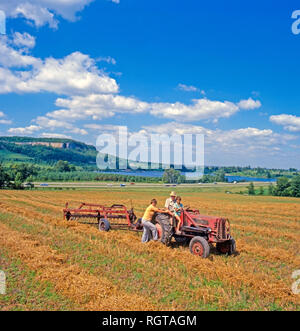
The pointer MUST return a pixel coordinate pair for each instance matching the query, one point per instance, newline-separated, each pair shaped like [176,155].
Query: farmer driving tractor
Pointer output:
[174,205]
[170,202]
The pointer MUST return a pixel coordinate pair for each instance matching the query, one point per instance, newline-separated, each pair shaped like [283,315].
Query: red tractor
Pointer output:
[199,230]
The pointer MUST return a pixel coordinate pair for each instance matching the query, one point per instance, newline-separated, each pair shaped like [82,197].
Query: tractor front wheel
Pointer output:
[164,228]
[228,247]
[200,247]
[104,225]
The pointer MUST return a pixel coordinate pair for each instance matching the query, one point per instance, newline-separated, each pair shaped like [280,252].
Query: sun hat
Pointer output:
[172,194]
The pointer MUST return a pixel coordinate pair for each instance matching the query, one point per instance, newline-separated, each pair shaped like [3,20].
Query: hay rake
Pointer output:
[116,216]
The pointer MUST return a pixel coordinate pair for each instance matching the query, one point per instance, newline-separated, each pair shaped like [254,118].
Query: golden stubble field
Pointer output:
[57,265]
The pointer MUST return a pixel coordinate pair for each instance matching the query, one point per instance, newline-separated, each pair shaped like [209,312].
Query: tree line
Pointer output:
[284,187]
[14,176]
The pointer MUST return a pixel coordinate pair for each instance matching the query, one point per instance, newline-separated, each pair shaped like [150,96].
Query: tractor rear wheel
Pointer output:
[164,228]
[104,225]
[200,247]
[228,247]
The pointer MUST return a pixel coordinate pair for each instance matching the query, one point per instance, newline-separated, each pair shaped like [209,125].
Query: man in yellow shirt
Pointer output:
[149,227]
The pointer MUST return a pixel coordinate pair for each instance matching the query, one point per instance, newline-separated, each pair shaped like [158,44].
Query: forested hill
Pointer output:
[56,142]
[45,150]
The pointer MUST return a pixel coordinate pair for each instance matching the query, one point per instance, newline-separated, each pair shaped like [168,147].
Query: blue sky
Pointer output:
[227,69]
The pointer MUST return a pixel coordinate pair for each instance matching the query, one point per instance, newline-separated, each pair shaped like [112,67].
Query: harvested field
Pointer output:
[59,265]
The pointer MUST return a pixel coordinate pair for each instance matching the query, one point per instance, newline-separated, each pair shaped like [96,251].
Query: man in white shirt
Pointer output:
[170,202]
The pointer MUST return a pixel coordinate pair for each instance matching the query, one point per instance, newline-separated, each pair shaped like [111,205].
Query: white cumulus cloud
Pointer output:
[107,59]
[44,123]
[93,93]
[24,131]
[42,12]
[11,57]
[100,106]
[23,40]
[6,122]
[53,124]
[74,74]
[96,106]
[244,146]
[249,104]
[55,135]
[3,119]
[289,122]
[200,109]
[187,88]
